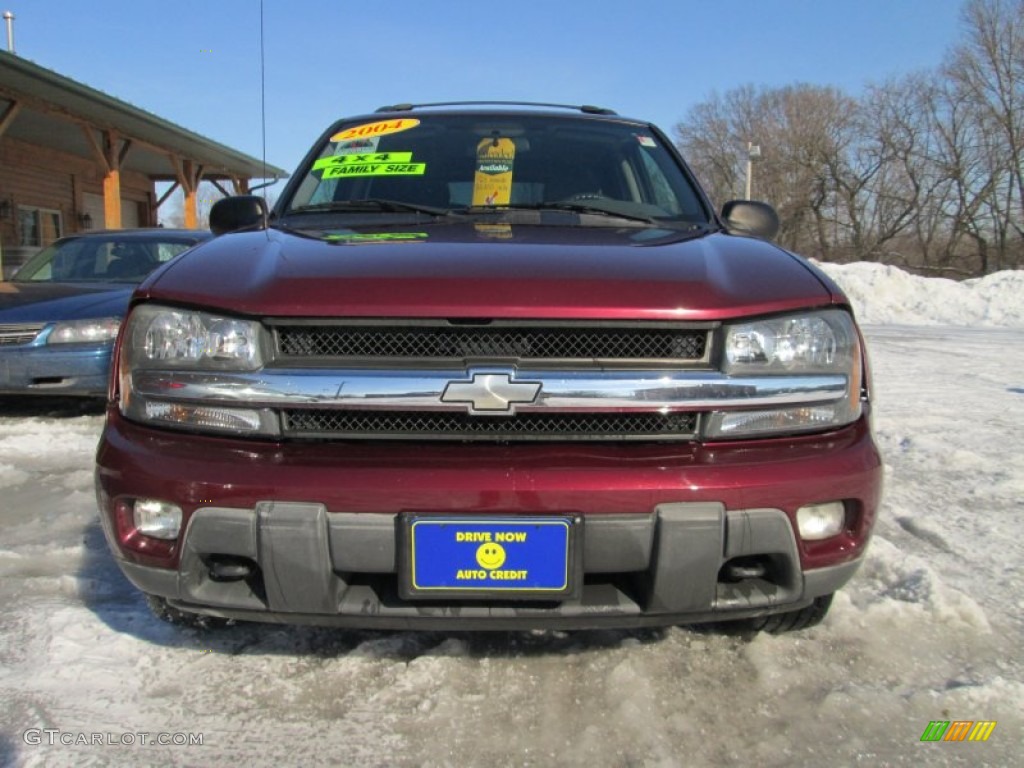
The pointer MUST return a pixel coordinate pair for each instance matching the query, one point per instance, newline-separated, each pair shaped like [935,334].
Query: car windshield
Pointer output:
[110,259]
[443,164]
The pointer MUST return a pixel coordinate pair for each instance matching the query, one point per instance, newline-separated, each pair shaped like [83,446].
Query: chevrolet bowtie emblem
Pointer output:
[491,393]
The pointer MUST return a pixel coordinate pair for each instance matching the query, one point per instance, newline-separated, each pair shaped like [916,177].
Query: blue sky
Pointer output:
[197,63]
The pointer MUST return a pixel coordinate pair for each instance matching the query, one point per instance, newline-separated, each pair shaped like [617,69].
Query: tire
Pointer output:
[793,621]
[773,624]
[179,618]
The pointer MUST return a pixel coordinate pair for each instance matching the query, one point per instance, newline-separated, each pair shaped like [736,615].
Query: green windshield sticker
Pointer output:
[374,237]
[362,157]
[374,169]
[368,164]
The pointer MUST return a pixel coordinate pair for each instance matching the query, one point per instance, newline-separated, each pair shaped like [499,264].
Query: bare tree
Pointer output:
[986,72]
[800,129]
[711,146]
[926,171]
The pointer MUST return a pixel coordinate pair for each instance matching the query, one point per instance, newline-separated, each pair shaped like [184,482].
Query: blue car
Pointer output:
[60,313]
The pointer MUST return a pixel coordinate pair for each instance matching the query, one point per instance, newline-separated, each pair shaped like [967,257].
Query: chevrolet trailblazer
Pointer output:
[490,366]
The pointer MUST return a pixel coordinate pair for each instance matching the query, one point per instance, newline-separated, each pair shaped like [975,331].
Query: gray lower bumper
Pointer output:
[315,567]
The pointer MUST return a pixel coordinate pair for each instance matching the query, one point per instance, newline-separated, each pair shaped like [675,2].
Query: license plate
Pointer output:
[515,557]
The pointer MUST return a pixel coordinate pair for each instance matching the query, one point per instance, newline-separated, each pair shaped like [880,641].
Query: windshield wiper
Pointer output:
[562,206]
[368,205]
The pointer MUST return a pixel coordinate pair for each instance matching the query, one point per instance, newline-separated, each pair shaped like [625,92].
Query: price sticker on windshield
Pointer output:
[354,158]
[370,130]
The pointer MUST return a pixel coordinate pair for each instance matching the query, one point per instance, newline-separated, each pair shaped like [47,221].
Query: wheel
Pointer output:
[774,624]
[179,618]
[777,623]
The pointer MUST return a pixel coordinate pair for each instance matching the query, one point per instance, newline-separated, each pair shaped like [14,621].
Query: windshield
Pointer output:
[101,259]
[437,164]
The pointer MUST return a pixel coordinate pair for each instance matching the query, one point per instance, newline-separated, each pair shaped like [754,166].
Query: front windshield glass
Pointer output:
[475,163]
[100,259]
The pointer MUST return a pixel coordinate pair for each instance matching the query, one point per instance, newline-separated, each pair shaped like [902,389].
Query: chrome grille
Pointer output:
[12,335]
[636,342]
[433,425]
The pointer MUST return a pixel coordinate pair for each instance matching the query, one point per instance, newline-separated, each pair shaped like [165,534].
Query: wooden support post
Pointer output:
[220,187]
[167,194]
[191,206]
[189,175]
[8,115]
[110,156]
[112,199]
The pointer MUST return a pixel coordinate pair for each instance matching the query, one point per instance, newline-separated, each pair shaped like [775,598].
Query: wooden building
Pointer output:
[73,158]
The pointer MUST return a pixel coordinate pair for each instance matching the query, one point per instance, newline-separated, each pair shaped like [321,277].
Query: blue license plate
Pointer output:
[470,557]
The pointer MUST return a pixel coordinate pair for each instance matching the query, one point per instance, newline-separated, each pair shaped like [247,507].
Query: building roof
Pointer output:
[54,107]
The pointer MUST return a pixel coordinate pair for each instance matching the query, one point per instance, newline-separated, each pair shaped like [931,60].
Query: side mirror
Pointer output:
[748,217]
[234,214]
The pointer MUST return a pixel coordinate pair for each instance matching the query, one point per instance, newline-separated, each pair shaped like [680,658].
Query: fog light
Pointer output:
[820,521]
[240,420]
[158,519]
[726,424]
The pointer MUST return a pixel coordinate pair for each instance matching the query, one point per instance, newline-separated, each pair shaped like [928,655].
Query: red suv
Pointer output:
[490,366]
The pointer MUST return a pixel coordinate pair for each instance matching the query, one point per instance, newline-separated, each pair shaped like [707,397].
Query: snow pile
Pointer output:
[884,294]
[929,629]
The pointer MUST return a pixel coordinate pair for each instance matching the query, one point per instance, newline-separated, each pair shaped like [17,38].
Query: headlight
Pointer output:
[164,338]
[823,342]
[84,331]
[164,343]
[804,345]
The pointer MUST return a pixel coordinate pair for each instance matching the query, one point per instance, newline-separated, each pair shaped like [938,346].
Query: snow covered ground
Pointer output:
[931,629]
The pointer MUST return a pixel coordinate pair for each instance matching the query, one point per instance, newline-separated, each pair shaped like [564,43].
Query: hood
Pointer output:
[46,302]
[492,271]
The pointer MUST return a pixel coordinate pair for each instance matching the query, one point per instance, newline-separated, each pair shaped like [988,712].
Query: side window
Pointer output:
[167,251]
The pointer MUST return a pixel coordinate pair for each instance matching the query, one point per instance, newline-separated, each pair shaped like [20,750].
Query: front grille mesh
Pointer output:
[525,343]
[11,335]
[311,423]
[409,345]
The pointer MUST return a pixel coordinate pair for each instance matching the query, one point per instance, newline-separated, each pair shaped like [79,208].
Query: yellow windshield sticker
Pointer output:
[355,157]
[492,184]
[494,231]
[369,130]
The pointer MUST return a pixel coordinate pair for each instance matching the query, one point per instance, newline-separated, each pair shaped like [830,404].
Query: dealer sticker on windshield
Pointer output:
[515,556]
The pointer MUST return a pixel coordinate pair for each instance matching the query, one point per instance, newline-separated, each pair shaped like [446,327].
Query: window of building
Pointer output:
[38,226]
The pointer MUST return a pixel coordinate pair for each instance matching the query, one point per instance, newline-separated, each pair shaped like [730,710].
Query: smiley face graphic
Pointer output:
[490,555]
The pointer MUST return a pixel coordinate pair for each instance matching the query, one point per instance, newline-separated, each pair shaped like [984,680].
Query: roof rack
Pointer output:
[585,108]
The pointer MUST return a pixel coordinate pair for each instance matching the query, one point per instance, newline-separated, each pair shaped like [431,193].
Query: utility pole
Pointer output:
[753,152]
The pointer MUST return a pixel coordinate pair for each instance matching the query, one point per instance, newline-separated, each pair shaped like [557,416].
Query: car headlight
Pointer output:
[164,343]
[89,331]
[823,342]
[799,345]
[164,338]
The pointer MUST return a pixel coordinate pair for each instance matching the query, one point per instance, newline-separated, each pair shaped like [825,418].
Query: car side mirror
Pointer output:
[238,213]
[749,217]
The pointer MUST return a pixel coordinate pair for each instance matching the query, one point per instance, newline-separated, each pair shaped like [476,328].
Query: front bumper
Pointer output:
[319,524]
[59,369]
